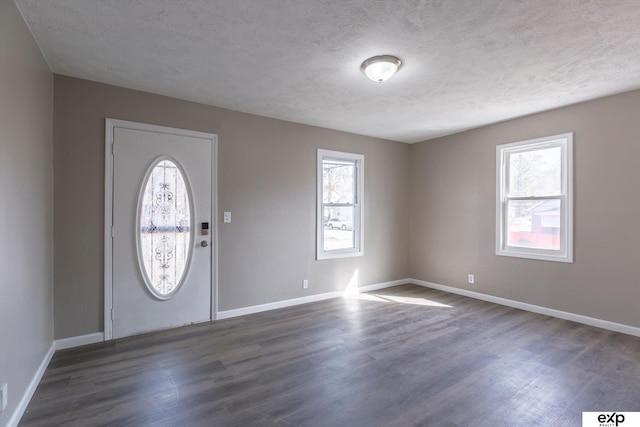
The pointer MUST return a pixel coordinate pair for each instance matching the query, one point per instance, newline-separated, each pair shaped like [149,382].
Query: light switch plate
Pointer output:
[227,217]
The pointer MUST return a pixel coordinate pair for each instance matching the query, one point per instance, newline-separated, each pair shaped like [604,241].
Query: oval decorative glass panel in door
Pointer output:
[164,228]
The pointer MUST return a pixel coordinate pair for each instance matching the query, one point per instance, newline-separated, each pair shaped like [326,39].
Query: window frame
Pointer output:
[503,151]
[358,205]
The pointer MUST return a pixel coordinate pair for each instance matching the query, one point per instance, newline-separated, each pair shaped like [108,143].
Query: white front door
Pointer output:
[162,228]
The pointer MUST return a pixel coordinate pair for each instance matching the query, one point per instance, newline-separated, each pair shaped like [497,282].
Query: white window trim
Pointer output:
[358,220]
[565,254]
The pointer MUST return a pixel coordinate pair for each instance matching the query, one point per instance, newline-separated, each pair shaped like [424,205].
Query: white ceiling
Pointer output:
[467,63]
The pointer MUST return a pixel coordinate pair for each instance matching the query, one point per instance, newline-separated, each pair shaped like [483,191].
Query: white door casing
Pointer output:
[131,150]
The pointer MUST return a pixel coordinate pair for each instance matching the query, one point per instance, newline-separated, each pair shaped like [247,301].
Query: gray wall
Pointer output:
[26,220]
[453,186]
[267,172]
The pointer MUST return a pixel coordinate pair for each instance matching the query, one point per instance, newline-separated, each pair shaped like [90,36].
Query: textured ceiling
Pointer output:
[467,63]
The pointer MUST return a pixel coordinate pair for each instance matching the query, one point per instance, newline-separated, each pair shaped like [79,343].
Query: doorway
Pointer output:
[160,228]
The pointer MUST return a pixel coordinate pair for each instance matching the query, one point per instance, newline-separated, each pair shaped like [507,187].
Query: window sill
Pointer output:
[535,256]
[336,255]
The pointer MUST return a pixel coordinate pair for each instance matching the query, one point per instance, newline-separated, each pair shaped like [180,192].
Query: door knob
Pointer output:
[204,243]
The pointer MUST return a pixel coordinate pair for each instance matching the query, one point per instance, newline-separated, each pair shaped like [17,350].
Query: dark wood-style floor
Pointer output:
[404,356]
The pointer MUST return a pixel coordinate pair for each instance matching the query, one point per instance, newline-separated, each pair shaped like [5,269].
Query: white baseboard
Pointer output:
[78,341]
[31,388]
[383,285]
[71,342]
[226,314]
[591,321]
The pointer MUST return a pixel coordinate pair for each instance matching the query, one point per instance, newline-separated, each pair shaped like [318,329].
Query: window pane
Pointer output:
[339,204]
[338,228]
[536,173]
[534,224]
[165,223]
[338,184]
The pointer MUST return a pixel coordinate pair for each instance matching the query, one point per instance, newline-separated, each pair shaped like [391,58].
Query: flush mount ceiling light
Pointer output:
[381,68]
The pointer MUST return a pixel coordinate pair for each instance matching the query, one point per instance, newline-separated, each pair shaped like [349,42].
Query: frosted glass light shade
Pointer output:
[381,68]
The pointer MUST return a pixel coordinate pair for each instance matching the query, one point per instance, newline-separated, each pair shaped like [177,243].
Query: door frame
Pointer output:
[110,124]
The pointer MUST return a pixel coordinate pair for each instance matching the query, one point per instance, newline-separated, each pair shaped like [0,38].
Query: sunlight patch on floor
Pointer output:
[399,299]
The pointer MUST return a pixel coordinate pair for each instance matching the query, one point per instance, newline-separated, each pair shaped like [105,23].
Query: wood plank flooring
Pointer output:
[403,356]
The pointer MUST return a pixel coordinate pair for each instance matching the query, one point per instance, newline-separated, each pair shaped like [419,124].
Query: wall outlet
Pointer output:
[3,397]
[305,284]
[226,217]
[472,279]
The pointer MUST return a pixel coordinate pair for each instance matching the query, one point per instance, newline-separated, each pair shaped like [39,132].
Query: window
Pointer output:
[164,228]
[339,216]
[534,209]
